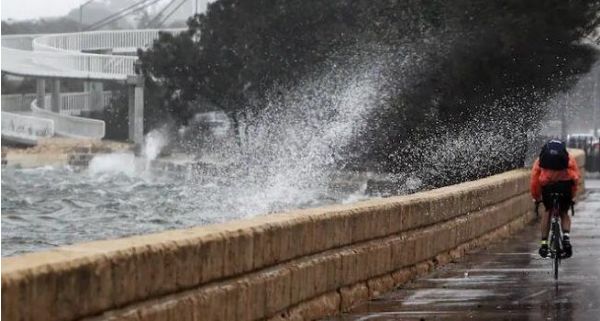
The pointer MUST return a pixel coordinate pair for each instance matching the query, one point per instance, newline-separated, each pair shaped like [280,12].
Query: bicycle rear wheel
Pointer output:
[556,263]
[557,248]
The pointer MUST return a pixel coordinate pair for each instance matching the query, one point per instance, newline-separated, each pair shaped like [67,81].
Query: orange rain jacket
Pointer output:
[541,177]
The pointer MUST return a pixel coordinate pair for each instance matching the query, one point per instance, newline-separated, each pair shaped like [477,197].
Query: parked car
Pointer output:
[581,140]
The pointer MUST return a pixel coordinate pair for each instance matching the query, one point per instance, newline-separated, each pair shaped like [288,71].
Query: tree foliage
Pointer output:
[477,53]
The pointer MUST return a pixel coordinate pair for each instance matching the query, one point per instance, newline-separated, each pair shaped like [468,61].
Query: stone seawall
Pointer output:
[299,265]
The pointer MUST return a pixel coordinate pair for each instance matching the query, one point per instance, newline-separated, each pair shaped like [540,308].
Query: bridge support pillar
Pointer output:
[136,112]
[41,92]
[55,101]
[95,91]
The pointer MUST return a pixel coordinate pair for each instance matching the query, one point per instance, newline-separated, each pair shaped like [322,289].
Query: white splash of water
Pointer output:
[291,149]
[127,163]
[116,163]
[154,142]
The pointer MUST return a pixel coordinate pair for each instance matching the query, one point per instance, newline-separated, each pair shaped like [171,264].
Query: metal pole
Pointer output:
[595,108]
[196,10]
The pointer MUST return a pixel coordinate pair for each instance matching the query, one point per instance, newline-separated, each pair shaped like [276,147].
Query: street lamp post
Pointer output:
[595,107]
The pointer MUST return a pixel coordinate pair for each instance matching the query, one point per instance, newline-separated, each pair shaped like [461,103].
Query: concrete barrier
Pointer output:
[24,129]
[299,265]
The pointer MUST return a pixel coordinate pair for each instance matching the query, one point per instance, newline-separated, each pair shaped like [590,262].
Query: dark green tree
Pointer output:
[474,54]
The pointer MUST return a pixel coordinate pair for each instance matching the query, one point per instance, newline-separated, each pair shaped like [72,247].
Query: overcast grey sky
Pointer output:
[33,9]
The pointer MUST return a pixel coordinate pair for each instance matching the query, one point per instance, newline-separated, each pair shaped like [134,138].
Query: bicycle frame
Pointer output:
[556,237]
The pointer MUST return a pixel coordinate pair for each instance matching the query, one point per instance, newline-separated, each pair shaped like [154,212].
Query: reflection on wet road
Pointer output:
[508,281]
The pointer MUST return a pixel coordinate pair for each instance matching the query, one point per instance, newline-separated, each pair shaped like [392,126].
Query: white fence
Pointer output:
[60,55]
[93,65]
[22,42]
[18,102]
[71,126]
[73,104]
[25,129]
[66,65]
[99,40]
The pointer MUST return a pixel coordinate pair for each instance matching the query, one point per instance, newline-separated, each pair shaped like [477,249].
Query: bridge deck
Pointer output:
[508,281]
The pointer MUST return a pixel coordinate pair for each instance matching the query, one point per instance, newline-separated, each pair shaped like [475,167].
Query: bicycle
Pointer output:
[556,236]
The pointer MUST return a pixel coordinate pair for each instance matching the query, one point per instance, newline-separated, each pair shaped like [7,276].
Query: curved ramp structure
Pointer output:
[85,55]
[93,56]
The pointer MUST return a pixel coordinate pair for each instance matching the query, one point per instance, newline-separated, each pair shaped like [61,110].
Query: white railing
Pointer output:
[22,42]
[25,129]
[71,126]
[89,64]
[16,102]
[99,40]
[21,102]
[74,104]
[59,55]
[67,65]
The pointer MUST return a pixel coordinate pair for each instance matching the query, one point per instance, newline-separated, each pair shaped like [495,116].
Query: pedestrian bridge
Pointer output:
[94,55]
[88,56]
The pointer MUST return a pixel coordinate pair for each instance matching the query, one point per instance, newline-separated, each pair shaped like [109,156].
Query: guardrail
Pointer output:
[71,126]
[99,40]
[22,42]
[19,102]
[75,104]
[59,55]
[25,129]
[66,65]
[93,65]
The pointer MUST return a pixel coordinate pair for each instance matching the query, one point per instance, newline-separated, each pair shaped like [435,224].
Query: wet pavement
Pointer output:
[508,281]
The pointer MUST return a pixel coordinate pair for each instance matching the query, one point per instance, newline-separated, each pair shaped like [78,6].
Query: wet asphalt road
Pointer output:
[508,281]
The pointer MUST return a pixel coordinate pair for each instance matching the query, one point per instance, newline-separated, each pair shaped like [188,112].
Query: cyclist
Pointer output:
[555,171]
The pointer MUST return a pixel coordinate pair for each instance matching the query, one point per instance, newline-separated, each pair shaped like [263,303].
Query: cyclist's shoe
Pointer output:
[567,249]
[544,250]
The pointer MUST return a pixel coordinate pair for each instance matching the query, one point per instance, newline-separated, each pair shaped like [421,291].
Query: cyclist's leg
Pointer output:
[545,230]
[545,225]
[565,221]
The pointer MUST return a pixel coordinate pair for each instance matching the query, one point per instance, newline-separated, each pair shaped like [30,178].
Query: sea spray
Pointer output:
[154,142]
[126,162]
[298,141]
